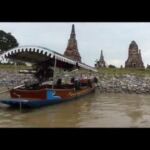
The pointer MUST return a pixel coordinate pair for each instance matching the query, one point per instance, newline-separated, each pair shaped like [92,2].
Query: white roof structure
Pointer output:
[38,54]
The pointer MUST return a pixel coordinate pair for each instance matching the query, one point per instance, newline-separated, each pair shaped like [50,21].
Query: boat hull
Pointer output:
[23,103]
[33,103]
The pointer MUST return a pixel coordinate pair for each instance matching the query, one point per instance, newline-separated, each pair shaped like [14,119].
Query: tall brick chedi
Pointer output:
[134,57]
[72,47]
[101,63]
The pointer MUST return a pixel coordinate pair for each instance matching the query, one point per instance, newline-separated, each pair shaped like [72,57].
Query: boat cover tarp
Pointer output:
[38,54]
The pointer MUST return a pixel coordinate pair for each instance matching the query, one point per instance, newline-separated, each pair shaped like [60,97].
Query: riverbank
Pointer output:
[125,84]
[124,81]
[11,79]
[10,76]
[111,80]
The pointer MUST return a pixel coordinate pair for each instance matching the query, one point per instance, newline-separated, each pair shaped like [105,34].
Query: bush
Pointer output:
[7,41]
[111,66]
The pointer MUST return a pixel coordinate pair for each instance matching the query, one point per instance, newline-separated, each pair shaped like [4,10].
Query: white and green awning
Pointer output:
[38,54]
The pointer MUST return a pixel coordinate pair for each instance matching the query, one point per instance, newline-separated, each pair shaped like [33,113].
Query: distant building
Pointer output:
[101,63]
[72,47]
[121,67]
[148,66]
[134,57]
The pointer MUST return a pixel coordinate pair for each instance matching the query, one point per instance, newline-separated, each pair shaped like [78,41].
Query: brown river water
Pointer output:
[94,110]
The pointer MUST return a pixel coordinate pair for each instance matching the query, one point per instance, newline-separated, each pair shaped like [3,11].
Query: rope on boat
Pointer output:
[12,88]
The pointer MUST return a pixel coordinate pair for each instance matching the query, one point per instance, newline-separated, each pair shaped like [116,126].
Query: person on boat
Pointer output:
[77,83]
[95,80]
[59,83]
[72,80]
[83,80]
[89,83]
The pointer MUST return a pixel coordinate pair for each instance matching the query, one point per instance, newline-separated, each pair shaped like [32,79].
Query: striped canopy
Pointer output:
[38,54]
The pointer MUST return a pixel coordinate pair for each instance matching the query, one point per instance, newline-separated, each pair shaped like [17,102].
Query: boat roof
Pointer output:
[39,54]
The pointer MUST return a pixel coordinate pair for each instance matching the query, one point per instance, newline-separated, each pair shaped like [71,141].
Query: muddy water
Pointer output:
[95,110]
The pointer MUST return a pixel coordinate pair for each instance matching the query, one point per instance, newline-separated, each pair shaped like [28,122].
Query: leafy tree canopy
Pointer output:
[111,66]
[7,41]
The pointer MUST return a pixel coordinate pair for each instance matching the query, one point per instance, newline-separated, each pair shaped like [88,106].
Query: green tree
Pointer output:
[111,66]
[7,41]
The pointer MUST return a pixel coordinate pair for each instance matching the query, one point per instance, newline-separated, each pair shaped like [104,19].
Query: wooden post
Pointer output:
[16,67]
[54,72]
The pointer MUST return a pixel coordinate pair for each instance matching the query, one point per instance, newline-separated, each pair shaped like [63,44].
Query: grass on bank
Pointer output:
[123,71]
[102,71]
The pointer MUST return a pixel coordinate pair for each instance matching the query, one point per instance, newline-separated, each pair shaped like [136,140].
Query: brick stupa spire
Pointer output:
[134,57]
[72,47]
[101,62]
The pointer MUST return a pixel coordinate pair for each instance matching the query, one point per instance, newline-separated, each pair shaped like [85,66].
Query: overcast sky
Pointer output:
[112,38]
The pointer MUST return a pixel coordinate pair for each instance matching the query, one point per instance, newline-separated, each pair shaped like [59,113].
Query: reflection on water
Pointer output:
[94,110]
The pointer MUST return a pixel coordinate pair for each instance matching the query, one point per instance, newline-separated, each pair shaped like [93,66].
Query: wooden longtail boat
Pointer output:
[47,94]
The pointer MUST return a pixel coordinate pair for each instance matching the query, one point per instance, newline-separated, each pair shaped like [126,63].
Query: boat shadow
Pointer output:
[7,108]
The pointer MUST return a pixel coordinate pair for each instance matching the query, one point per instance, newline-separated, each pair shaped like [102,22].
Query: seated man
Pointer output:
[77,83]
[72,80]
[59,83]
